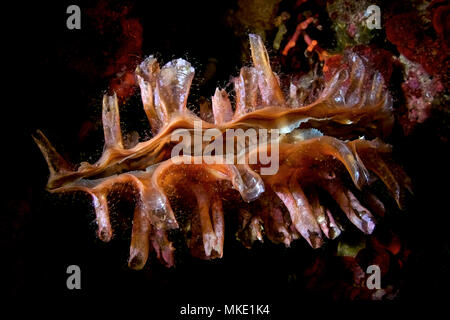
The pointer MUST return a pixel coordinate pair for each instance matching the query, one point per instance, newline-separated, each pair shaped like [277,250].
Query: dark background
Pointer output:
[49,88]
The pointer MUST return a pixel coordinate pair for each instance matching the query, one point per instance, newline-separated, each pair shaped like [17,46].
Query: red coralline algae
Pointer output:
[419,90]
[420,35]
[406,31]
[439,10]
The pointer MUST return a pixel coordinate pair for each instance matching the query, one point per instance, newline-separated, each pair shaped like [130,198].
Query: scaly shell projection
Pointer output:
[321,150]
